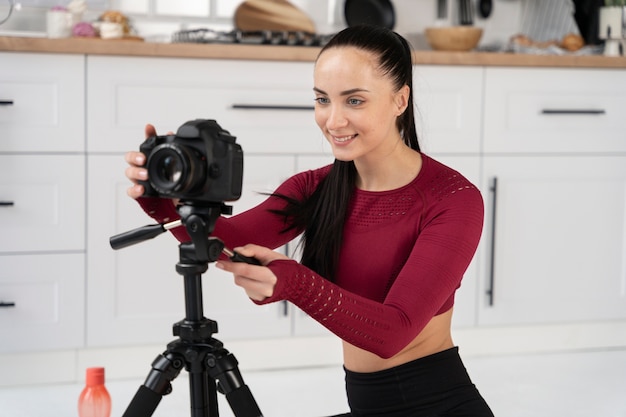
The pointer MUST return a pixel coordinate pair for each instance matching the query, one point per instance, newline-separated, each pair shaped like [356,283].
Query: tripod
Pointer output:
[203,357]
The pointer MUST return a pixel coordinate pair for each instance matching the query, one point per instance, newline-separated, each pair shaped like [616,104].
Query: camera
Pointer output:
[201,163]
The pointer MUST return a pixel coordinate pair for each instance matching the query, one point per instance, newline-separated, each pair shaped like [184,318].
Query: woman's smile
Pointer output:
[344,139]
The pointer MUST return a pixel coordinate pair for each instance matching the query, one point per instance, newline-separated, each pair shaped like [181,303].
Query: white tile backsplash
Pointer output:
[134,6]
[187,8]
[226,8]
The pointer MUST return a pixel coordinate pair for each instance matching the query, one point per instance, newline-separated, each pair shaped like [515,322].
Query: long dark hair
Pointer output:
[323,214]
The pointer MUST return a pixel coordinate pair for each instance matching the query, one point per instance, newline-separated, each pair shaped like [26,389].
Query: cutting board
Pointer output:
[275,15]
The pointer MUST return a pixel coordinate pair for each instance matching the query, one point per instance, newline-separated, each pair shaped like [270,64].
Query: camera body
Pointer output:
[201,163]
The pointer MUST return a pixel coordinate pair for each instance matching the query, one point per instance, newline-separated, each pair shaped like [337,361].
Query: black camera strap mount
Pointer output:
[211,367]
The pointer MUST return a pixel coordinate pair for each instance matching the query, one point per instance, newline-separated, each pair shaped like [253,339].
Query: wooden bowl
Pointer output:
[453,38]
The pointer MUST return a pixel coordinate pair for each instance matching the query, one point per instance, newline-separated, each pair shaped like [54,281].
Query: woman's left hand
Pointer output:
[257,281]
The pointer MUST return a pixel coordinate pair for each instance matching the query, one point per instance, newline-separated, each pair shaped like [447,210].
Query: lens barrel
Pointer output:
[175,169]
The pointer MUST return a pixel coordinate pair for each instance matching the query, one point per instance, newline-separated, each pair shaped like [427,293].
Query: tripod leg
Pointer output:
[158,383]
[203,395]
[225,370]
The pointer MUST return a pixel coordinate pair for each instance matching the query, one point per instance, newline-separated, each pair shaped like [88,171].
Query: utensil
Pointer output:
[370,12]
[485,7]
[442,9]
[466,15]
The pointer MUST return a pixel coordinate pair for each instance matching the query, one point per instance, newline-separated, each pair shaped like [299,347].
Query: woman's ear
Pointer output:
[402,99]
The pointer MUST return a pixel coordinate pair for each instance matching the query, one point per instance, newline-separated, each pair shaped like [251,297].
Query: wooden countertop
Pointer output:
[288,53]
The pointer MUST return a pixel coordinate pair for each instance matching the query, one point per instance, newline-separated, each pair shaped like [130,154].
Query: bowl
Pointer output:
[453,38]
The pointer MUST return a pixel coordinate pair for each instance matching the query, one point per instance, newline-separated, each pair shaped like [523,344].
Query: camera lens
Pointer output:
[170,169]
[174,170]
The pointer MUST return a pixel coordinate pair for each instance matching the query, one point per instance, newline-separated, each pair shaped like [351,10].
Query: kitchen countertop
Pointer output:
[288,53]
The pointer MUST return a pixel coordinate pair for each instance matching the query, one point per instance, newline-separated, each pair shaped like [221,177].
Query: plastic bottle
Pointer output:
[94,400]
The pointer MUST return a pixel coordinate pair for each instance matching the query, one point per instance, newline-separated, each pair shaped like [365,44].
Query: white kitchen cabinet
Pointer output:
[559,240]
[554,110]
[448,110]
[42,99]
[268,106]
[43,199]
[42,202]
[42,302]
[554,164]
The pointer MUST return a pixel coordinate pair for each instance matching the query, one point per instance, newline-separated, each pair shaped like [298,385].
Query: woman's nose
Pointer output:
[336,118]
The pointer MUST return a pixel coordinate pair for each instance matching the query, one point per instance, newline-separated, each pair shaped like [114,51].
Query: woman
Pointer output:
[388,233]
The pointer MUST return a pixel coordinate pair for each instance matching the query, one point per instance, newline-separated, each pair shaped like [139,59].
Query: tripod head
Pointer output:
[199,221]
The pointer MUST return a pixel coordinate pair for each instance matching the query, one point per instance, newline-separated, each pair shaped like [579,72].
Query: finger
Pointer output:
[150,130]
[254,289]
[135,158]
[136,174]
[261,253]
[135,191]
[257,273]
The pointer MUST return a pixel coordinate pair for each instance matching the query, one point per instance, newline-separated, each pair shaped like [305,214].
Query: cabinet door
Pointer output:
[554,110]
[42,101]
[559,240]
[42,201]
[448,110]
[42,302]
[268,106]
[135,294]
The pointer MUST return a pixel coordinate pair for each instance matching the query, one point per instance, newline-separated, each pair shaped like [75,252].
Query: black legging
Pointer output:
[434,386]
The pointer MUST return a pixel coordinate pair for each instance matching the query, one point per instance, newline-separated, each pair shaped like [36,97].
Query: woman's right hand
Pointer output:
[136,171]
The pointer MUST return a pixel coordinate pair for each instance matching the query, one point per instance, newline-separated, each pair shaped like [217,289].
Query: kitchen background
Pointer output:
[535,362]
[157,19]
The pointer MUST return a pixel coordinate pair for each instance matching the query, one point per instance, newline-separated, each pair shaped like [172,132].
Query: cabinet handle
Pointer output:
[270,107]
[492,261]
[573,111]
[6,203]
[5,304]
[6,102]
[285,304]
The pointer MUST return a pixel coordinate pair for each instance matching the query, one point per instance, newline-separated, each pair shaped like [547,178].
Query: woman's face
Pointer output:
[356,106]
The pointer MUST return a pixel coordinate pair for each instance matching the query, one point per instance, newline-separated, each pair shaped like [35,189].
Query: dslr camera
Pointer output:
[201,163]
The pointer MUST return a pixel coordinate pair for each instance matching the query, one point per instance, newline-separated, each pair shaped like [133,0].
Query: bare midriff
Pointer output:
[435,337]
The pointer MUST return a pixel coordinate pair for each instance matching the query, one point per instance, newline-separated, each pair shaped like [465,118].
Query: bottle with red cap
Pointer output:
[94,400]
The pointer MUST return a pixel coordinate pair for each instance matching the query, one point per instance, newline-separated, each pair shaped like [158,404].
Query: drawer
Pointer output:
[555,110]
[43,203]
[268,106]
[448,111]
[43,102]
[42,300]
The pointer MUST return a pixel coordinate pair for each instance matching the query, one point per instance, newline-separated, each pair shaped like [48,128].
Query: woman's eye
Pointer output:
[354,101]
[321,100]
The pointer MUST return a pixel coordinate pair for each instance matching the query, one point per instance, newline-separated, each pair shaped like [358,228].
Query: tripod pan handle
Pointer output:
[135,236]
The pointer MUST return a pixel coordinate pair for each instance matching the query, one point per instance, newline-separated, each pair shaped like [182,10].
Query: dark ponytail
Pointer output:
[322,216]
